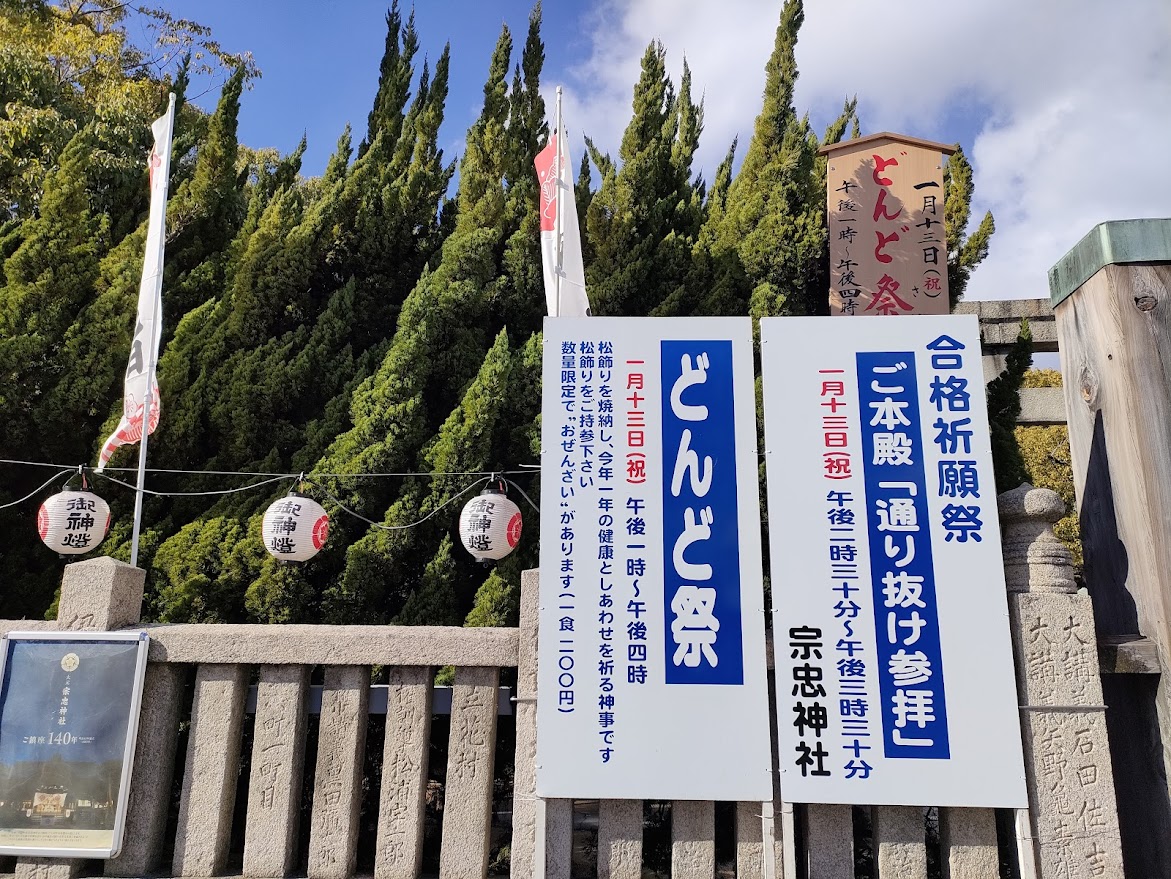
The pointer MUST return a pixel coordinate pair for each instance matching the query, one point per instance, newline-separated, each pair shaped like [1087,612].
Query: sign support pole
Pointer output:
[558,270]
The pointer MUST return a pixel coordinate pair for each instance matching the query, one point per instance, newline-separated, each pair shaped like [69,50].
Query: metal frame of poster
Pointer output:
[652,677]
[58,772]
[894,667]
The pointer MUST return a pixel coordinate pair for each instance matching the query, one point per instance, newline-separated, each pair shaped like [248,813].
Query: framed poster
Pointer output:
[894,666]
[69,704]
[652,678]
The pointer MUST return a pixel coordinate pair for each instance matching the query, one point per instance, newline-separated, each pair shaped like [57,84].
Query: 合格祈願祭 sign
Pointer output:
[69,706]
[894,667]
[651,675]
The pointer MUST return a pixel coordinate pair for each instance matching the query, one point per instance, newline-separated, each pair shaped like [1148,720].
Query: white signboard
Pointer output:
[894,668]
[651,674]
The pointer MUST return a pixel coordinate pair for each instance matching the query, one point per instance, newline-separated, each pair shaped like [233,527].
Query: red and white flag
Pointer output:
[560,253]
[144,350]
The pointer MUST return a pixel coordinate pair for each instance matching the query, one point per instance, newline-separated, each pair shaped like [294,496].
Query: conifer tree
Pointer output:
[283,388]
[1004,407]
[774,215]
[385,569]
[964,251]
[203,216]
[488,275]
[49,277]
[642,222]
[395,74]
[440,338]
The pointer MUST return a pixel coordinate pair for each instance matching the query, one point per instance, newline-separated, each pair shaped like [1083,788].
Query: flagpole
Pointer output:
[153,355]
[146,401]
[560,135]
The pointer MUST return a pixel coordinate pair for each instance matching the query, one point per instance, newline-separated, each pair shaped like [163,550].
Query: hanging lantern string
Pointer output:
[42,486]
[379,525]
[404,474]
[524,495]
[235,490]
[499,476]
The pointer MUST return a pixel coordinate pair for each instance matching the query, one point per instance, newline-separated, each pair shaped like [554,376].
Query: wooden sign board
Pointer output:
[888,248]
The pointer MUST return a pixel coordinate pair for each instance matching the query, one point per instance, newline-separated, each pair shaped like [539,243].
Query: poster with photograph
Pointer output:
[69,704]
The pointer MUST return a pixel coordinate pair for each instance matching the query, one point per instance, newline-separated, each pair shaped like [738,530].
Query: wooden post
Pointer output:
[1113,311]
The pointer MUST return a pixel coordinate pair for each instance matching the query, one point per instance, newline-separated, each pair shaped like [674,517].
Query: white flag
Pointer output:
[144,350]
[562,261]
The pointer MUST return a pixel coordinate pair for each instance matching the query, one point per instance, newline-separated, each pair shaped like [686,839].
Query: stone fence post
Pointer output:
[96,595]
[1072,809]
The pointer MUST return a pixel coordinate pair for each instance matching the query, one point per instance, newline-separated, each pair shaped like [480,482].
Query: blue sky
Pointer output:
[1061,105]
[319,61]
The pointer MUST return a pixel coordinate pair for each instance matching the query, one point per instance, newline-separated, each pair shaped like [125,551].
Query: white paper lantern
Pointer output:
[73,522]
[295,528]
[490,526]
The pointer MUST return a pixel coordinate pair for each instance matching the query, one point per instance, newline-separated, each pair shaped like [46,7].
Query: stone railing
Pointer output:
[1070,829]
[104,594]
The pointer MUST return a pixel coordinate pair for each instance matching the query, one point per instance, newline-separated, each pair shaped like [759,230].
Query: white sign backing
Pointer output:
[894,668]
[652,680]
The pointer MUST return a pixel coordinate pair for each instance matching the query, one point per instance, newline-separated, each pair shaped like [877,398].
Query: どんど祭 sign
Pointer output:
[888,243]
[652,680]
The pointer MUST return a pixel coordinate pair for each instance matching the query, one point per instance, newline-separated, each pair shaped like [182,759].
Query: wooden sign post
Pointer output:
[887,242]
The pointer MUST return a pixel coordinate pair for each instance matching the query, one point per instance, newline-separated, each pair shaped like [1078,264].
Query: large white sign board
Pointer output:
[894,669]
[651,673]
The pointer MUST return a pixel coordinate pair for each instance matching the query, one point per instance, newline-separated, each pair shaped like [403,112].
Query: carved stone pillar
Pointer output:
[1072,809]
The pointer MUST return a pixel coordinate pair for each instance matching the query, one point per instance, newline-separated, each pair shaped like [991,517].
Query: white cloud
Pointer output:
[1062,105]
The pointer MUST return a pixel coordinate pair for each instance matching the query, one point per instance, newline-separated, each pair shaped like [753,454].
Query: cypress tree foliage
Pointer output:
[964,252]
[582,196]
[203,217]
[339,162]
[385,570]
[774,216]
[204,577]
[205,214]
[497,600]
[281,369]
[49,276]
[717,196]
[1004,406]
[520,303]
[527,127]
[395,73]
[487,265]
[440,338]
[396,189]
[643,220]
[259,365]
